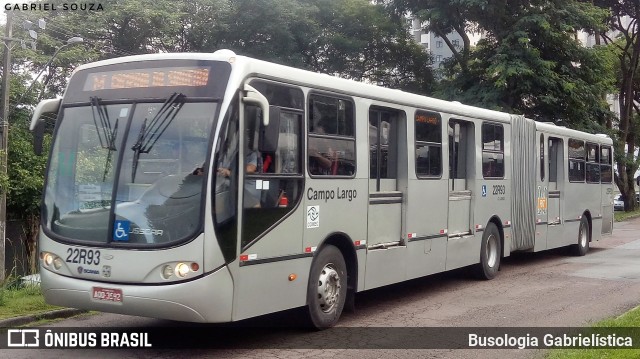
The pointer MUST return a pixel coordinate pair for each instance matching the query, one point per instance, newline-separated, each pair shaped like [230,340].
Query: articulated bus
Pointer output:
[216,187]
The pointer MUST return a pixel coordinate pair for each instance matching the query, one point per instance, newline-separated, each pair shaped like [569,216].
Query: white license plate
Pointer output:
[107,294]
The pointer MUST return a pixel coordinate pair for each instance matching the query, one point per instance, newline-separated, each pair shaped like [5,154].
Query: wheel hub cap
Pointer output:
[328,288]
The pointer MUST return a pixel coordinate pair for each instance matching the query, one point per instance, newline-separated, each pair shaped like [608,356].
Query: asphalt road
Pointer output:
[549,289]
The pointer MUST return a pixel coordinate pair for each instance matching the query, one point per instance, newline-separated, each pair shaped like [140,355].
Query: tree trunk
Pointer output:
[31,242]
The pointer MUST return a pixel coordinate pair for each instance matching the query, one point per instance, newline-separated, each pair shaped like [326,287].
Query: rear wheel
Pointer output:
[327,289]
[489,253]
[582,247]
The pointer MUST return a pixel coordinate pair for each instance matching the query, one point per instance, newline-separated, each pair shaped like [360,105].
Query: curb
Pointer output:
[54,314]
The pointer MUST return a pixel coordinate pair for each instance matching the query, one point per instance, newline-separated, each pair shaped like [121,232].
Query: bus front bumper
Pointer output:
[207,299]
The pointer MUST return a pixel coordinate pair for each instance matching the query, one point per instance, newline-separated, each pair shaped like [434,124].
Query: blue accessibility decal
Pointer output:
[484,190]
[121,230]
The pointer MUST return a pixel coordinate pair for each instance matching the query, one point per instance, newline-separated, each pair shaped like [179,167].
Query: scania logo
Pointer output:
[87,271]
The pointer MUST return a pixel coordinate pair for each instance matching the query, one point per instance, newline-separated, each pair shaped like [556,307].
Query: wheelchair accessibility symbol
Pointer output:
[121,230]
[484,190]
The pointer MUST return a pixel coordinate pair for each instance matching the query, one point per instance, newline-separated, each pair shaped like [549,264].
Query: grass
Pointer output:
[18,300]
[627,321]
[620,216]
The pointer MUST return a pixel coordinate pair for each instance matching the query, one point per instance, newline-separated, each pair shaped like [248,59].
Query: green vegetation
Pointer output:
[17,300]
[620,216]
[630,319]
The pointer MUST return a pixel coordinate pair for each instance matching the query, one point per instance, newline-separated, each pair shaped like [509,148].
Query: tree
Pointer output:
[528,61]
[349,38]
[625,43]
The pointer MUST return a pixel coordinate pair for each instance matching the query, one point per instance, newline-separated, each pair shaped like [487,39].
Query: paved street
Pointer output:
[547,289]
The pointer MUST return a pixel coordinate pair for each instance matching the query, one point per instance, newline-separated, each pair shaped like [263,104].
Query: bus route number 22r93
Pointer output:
[83,256]
[499,189]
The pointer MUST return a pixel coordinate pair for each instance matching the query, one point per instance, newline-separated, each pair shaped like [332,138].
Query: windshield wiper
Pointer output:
[150,133]
[106,134]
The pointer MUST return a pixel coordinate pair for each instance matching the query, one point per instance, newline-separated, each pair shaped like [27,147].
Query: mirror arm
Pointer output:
[254,97]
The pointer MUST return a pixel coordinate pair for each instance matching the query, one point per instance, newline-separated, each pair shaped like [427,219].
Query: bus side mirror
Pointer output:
[38,138]
[254,97]
[269,133]
[37,123]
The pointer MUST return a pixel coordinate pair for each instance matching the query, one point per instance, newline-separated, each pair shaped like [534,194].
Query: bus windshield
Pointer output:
[129,173]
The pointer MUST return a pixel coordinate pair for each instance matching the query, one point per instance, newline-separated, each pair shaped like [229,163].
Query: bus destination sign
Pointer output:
[149,77]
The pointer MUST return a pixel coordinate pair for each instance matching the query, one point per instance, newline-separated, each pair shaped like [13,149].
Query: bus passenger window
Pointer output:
[577,154]
[331,140]
[541,157]
[428,144]
[492,150]
[593,163]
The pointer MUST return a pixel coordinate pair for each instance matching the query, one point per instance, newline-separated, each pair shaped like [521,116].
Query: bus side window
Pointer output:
[331,141]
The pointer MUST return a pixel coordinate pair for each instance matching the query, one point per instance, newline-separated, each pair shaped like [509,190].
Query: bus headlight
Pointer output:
[167,271]
[48,259]
[182,270]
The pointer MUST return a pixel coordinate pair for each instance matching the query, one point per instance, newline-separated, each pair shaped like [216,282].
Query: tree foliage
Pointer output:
[528,61]
[349,38]
[624,43]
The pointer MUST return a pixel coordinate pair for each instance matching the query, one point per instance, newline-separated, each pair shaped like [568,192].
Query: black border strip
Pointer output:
[479,230]
[362,246]
[422,238]
[596,217]
[385,200]
[541,223]
[572,220]
[275,259]
[506,226]
[385,194]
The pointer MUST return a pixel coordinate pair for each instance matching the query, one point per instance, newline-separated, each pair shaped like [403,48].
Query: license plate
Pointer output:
[107,294]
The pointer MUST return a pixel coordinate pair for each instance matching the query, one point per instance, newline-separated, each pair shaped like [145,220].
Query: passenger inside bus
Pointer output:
[252,160]
[321,161]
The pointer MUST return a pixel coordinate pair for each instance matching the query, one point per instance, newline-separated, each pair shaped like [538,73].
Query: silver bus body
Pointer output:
[408,223]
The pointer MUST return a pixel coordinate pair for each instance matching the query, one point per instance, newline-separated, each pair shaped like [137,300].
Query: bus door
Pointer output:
[542,196]
[461,159]
[556,178]
[606,177]
[385,200]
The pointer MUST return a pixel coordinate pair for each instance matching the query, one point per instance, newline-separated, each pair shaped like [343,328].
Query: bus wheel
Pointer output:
[582,247]
[489,253]
[327,290]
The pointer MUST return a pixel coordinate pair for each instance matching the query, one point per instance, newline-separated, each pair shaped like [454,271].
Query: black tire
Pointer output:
[327,288]
[490,253]
[582,247]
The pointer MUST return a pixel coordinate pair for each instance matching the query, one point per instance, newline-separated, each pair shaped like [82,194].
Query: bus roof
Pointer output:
[250,66]
[567,132]
[247,66]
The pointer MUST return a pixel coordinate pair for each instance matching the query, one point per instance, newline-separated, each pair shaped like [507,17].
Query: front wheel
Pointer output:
[327,289]
[582,247]
[489,253]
